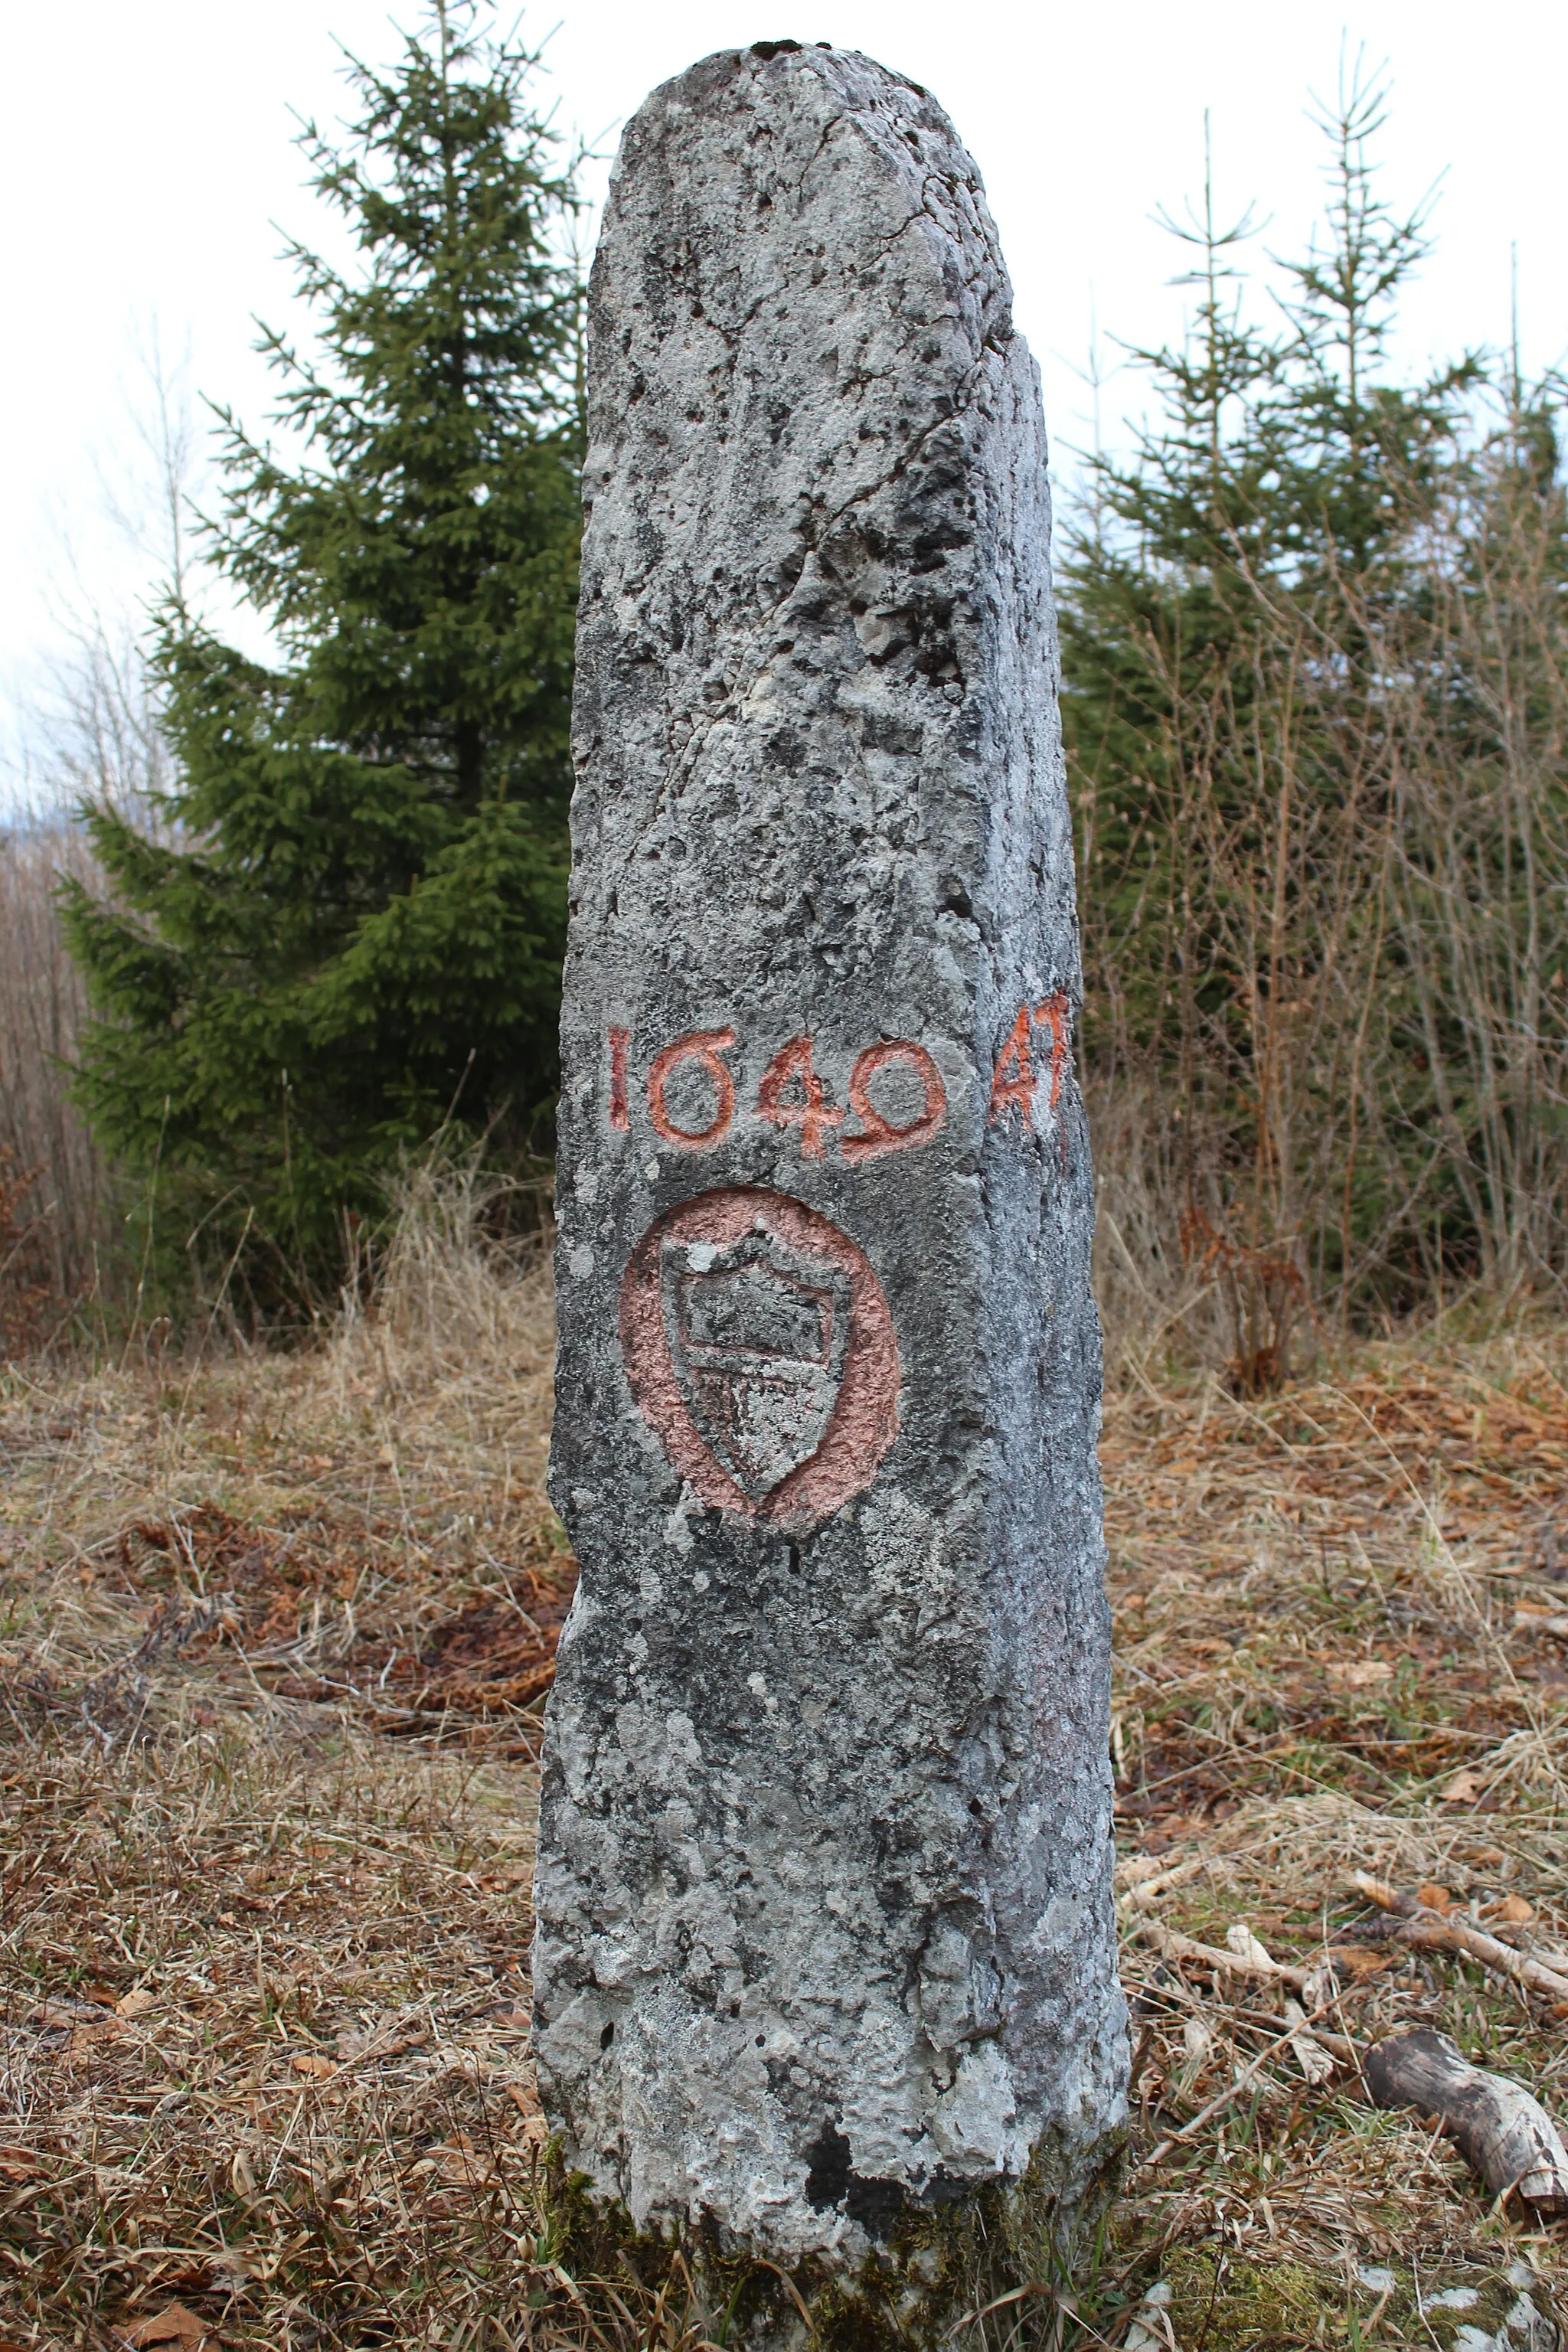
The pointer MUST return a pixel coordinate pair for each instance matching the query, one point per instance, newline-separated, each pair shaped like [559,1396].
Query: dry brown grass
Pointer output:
[275,1638]
[1339,1635]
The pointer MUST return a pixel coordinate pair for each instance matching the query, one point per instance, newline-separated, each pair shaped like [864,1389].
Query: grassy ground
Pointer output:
[274,1638]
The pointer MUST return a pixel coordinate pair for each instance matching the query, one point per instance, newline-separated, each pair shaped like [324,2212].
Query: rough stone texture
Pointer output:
[825,1930]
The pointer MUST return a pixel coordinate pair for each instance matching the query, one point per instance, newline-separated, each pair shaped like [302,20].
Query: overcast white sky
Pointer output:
[146,175]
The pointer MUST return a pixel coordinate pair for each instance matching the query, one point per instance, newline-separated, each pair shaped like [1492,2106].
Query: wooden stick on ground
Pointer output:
[1141,1891]
[1499,2127]
[1434,1931]
[1171,1945]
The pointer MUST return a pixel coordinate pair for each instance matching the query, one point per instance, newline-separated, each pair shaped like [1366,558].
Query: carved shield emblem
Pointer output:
[757,1335]
[760,1349]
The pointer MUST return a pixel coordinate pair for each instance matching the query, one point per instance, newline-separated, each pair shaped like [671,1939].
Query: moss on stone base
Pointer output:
[934,2264]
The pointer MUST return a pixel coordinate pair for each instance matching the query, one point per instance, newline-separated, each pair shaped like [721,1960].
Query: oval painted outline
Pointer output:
[864,1417]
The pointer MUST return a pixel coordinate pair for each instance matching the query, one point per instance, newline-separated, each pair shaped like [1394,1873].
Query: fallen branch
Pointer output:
[1250,1961]
[1434,1931]
[1339,2046]
[1140,1891]
[1502,2131]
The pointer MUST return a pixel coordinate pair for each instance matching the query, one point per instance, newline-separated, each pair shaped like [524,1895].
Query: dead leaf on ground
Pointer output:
[16,2164]
[311,2063]
[1197,2039]
[1314,2061]
[1134,1869]
[54,2014]
[387,2040]
[1513,1909]
[136,2003]
[535,2127]
[232,2270]
[1436,1898]
[172,2325]
[1359,1960]
[1240,1939]
[1462,1788]
[1363,1673]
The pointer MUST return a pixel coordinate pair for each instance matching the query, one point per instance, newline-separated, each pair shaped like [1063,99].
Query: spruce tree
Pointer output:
[346,924]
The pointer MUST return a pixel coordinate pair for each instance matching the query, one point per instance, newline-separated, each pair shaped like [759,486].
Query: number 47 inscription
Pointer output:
[790,1093]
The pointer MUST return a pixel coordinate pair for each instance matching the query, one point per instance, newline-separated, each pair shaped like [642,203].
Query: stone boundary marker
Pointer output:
[824,1971]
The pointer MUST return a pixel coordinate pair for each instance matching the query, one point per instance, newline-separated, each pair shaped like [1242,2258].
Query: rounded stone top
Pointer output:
[856,159]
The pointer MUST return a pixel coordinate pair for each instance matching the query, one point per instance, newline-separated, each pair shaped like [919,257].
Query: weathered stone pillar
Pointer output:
[825,1957]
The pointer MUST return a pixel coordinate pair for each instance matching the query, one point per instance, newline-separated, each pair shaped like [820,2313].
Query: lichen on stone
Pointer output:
[825,1963]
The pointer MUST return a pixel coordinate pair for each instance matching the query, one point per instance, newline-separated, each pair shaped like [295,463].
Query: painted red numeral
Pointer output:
[620,1118]
[1015,1078]
[1055,1010]
[809,1109]
[703,1045]
[880,1135]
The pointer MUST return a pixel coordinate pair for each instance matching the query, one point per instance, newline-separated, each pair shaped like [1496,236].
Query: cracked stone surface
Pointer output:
[825,1928]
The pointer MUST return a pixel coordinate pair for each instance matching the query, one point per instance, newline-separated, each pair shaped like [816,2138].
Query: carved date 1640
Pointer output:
[790,1093]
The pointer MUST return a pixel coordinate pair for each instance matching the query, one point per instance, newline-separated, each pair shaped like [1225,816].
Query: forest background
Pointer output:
[1314,698]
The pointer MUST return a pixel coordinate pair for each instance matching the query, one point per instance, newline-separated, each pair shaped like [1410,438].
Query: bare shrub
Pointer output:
[1478,703]
[1153,1302]
[62,1208]
[1326,979]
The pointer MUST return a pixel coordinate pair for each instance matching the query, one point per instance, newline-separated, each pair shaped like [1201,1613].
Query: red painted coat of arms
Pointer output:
[760,1350]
